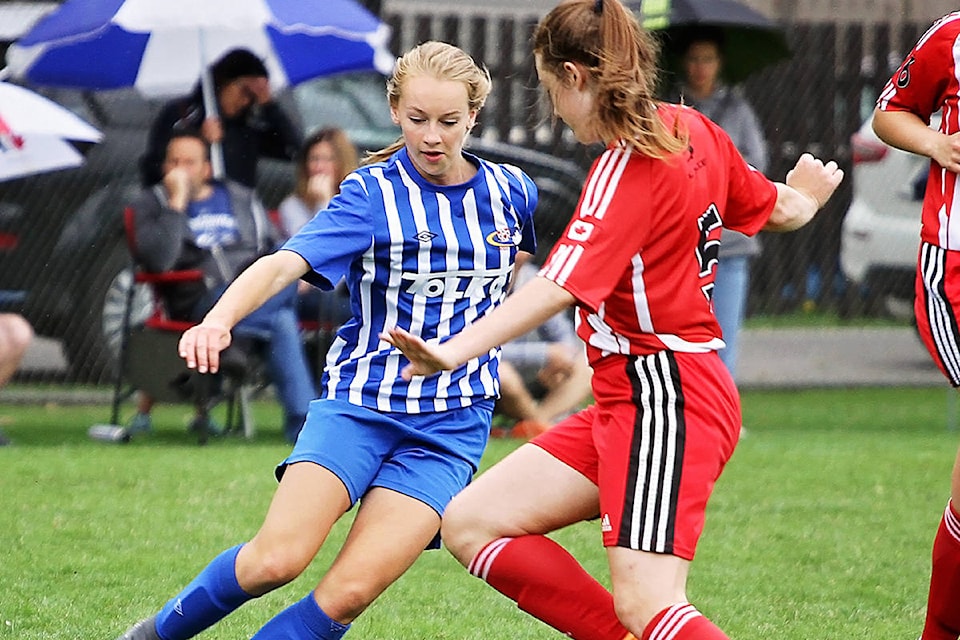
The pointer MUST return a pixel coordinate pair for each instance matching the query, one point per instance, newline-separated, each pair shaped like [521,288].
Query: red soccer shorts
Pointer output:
[937,306]
[661,431]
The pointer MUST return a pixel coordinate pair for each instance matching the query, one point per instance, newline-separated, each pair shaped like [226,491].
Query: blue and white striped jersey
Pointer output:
[428,258]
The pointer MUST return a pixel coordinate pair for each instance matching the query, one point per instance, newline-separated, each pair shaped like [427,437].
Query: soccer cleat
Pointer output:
[143,630]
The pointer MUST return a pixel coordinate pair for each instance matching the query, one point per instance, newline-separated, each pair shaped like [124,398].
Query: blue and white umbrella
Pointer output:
[161,47]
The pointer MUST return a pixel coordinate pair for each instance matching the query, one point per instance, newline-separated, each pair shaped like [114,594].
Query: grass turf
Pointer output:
[820,527]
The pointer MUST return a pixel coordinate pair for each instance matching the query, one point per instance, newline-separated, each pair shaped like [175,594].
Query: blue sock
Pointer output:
[213,594]
[303,619]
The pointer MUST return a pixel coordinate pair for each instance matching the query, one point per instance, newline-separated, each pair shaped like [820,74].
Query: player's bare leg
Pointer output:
[388,534]
[307,502]
[495,527]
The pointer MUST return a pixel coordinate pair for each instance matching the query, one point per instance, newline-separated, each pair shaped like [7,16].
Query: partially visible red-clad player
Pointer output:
[929,81]
[638,259]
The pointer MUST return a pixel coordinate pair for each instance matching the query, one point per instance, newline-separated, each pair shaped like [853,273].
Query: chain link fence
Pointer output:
[816,101]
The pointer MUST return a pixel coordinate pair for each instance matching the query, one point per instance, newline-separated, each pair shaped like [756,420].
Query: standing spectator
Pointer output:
[427,236]
[323,161]
[16,334]
[646,456]
[926,82]
[193,222]
[249,123]
[703,90]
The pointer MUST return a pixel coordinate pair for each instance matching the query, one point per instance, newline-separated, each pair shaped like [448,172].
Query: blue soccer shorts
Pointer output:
[428,456]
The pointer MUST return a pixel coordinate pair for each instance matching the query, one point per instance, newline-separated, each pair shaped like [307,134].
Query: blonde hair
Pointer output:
[344,153]
[440,61]
[621,58]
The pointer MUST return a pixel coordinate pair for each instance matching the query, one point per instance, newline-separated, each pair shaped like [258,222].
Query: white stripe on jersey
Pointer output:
[640,303]
[657,456]
[603,336]
[947,19]
[622,156]
[603,182]
[392,365]
[442,257]
[890,89]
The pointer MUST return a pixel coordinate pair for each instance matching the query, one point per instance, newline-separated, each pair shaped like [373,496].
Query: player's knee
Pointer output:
[636,612]
[17,334]
[345,599]
[462,531]
[272,567]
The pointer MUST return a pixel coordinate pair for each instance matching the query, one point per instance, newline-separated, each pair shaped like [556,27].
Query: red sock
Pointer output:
[549,584]
[682,622]
[943,603]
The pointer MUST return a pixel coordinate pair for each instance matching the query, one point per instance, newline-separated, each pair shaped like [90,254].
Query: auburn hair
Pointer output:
[620,58]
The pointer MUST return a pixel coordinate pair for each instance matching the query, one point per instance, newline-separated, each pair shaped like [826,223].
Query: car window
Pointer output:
[355,102]
[124,108]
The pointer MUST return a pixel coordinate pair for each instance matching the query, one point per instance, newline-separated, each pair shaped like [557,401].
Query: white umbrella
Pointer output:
[36,134]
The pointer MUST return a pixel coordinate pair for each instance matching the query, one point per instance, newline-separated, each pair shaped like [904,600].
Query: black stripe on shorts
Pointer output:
[656,454]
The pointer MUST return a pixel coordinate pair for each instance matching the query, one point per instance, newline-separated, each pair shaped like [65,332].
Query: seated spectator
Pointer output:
[15,336]
[190,221]
[544,374]
[326,157]
[249,123]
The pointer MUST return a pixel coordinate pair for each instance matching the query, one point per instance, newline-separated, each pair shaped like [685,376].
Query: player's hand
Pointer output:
[259,89]
[946,152]
[321,187]
[558,367]
[177,183]
[201,345]
[814,179]
[425,359]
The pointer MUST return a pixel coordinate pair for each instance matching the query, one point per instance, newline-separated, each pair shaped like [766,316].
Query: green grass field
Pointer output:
[820,528]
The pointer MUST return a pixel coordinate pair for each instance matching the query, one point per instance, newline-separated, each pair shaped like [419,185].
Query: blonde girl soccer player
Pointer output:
[426,236]
[638,259]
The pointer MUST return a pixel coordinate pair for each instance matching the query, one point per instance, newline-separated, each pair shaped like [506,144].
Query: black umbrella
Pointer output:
[751,41]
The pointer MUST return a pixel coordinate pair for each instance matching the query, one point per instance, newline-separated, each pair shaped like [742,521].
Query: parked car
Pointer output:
[63,260]
[881,229]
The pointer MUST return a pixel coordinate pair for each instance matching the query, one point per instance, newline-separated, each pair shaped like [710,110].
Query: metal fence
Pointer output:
[813,102]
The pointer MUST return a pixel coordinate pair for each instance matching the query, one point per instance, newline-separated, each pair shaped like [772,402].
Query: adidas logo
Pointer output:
[605,523]
[178,607]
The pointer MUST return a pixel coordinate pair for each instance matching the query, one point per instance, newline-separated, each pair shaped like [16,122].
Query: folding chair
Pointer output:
[149,362]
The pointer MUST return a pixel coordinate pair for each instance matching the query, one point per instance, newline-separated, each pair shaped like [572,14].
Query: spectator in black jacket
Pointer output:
[250,124]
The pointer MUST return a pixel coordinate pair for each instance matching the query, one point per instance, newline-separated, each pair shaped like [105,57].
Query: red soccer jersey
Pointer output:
[926,83]
[640,253]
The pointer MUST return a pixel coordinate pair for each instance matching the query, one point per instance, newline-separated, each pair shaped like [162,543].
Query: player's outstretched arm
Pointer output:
[523,310]
[906,130]
[807,188]
[201,345]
